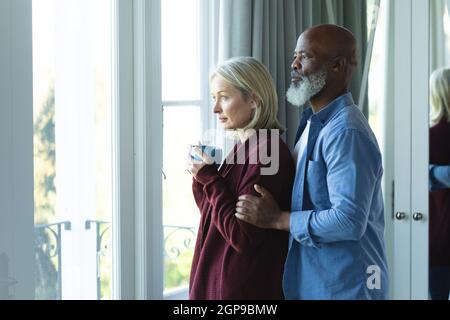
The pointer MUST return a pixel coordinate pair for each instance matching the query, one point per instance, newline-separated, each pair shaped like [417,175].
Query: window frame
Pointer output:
[137,145]
[123,284]
[206,60]
[147,224]
[138,270]
[16,142]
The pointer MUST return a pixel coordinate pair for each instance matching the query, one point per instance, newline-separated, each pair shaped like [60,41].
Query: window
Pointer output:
[184,74]
[376,72]
[72,58]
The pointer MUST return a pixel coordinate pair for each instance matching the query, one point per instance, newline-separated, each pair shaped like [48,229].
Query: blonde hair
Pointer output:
[440,95]
[252,78]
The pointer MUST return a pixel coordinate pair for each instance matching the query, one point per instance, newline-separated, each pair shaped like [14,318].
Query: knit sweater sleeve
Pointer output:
[199,195]
[240,235]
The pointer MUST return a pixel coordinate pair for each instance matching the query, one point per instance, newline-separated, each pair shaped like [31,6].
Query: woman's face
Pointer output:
[233,111]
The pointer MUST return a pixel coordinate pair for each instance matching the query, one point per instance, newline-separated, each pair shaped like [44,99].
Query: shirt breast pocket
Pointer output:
[317,187]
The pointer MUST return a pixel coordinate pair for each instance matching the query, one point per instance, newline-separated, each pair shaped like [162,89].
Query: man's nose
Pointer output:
[296,65]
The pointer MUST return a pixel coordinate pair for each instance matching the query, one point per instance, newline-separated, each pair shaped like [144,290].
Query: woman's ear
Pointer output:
[254,102]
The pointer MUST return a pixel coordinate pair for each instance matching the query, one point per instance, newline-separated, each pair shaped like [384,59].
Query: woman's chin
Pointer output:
[232,128]
[227,127]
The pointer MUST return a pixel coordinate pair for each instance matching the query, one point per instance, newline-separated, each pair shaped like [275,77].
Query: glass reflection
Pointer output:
[439,174]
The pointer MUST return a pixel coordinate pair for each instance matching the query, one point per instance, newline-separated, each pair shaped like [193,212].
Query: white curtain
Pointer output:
[268,30]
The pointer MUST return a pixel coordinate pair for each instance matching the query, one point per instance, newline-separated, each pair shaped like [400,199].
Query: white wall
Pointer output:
[16,145]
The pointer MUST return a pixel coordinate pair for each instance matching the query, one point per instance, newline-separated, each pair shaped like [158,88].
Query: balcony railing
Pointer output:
[47,244]
[102,247]
[49,250]
[177,239]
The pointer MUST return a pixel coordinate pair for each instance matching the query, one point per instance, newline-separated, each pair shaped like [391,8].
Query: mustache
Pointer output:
[295,74]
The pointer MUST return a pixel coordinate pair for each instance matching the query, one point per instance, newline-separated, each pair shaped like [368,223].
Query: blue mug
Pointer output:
[212,152]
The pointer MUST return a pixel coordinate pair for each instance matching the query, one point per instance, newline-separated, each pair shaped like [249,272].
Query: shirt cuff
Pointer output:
[299,223]
[207,174]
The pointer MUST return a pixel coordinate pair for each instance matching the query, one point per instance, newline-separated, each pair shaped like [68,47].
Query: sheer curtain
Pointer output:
[268,30]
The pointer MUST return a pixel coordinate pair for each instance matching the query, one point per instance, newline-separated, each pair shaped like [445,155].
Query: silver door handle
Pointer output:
[417,216]
[400,216]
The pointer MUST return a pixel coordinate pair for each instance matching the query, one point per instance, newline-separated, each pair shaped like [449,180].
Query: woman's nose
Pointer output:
[216,107]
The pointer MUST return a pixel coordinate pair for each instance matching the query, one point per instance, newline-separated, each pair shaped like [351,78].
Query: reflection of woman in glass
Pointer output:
[233,259]
[439,243]
[439,177]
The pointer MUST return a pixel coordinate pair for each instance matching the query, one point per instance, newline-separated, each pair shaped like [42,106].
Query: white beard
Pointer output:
[308,87]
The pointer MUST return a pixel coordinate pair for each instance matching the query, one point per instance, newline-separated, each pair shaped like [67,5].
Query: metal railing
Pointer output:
[173,249]
[47,244]
[101,227]
[48,247]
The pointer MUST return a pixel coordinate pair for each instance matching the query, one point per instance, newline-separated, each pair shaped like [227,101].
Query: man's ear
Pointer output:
[339,64]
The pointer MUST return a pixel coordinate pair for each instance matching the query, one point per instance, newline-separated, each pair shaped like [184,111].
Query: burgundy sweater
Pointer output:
[439,244]
[234,260]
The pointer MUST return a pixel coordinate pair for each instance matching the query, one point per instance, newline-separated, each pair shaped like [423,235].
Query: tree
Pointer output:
[45,197]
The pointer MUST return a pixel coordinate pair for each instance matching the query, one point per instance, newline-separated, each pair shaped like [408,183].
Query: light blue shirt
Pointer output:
[336,247]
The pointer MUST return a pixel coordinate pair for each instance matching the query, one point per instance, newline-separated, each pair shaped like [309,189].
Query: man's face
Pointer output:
[309,72]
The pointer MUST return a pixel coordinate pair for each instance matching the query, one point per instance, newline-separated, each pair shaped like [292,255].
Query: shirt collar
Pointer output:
[324,115]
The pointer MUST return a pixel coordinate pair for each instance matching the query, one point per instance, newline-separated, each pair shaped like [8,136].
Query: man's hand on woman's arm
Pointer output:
[263,211]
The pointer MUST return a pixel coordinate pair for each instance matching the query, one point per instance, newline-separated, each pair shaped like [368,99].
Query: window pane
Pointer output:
[72,148]
[376,76]
[181,127]
[180,50]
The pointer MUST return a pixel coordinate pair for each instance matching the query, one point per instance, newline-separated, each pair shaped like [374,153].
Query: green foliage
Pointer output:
[44,161]
[106,267]
[177,270]
[45,196]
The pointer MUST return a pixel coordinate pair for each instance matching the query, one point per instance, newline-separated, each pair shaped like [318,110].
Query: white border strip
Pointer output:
[148,150]
[122,151]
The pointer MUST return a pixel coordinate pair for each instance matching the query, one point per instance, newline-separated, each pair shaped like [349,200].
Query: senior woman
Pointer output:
[232,259]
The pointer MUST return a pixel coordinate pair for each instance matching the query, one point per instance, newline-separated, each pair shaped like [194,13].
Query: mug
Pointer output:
[211,151]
